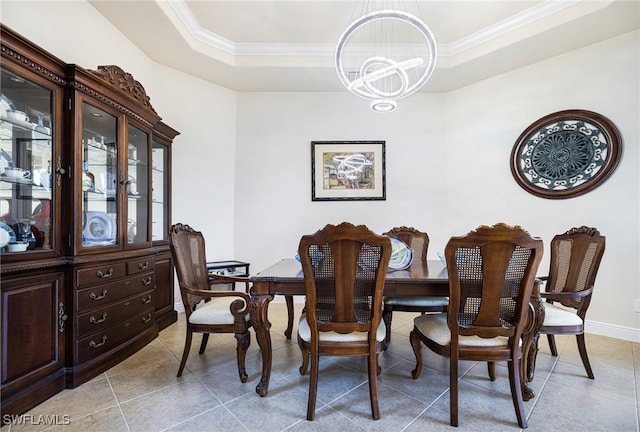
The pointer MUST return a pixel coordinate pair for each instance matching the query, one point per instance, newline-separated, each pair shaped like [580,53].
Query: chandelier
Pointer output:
[385,55]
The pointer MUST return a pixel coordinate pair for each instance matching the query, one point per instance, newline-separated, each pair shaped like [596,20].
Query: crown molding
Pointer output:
[515,22]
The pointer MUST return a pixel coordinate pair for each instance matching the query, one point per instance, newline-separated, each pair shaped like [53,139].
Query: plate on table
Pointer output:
[401,254]
[97,227]
[7,235]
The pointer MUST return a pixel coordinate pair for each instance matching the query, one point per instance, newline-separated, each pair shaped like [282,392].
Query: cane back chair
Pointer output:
[344,270]
[575,259]
[418,241]
[208,311]
[491,275]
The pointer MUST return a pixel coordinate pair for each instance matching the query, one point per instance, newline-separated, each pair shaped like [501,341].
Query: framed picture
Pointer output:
[347,170]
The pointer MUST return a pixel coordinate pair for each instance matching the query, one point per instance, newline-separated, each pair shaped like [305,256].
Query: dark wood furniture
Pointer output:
[418,241]
[574,263]
[96,282]
[221,311]
[286,278]
[229,268]
[491,277]
[344,269]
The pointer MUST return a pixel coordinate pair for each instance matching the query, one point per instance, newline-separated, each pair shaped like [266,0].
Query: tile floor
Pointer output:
[143,394]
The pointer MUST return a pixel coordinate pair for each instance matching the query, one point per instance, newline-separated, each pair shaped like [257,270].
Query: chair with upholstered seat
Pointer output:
[208,311]
[491,275]
[418,241]
[344,270]
[575,259]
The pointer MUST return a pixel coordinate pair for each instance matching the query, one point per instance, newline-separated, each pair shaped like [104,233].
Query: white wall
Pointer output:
[448,166]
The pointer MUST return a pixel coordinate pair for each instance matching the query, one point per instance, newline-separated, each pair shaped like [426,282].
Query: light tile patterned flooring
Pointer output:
[143,394]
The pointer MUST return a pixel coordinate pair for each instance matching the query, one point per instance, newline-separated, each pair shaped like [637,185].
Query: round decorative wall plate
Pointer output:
[566,154]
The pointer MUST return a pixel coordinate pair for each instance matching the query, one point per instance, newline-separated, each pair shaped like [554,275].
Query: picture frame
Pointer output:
[348,170]
[566,154]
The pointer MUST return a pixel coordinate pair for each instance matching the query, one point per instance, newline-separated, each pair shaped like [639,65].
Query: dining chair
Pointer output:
[418,241]
[208,310]
[574,263]
[344,269]
[491,274]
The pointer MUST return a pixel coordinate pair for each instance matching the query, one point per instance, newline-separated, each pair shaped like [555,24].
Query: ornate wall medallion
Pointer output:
[566,154]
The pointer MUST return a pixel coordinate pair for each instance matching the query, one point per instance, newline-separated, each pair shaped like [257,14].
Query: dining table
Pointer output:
[427,278]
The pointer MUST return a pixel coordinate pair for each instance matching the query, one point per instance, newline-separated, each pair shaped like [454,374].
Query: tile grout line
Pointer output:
[126,423]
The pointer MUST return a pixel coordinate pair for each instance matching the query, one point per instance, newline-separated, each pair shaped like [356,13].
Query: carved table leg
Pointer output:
[530,344]
[533,350]
[289,330]
[258,312]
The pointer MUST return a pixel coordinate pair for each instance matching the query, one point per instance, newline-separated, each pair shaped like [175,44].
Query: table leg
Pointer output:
[533,350]
[258,307]
[289,330]
[530,345]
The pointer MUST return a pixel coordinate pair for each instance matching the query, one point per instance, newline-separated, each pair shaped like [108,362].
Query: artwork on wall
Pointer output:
[566,154]
[347,170]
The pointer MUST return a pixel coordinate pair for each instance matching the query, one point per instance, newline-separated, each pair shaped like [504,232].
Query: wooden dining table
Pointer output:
[421,279]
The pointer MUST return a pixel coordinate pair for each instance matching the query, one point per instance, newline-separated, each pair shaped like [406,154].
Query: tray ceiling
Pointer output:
[288,45]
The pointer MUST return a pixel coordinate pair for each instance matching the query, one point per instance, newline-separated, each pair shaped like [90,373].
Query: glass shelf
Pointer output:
[26,155]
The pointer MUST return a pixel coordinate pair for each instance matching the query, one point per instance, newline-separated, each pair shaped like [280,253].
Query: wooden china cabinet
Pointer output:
[85,266]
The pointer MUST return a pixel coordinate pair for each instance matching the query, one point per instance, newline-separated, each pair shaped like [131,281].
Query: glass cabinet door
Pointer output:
[26,163]
[137,186]
[159,194]
[99,181]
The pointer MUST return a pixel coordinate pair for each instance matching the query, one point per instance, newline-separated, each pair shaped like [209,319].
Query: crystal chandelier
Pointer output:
[385,55]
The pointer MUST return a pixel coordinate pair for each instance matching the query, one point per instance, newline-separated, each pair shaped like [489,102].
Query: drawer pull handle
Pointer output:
[147,299]
[94,344]
[94,320]
[146,319]
[144,265]
[94,296]
[104,275]
[147,281]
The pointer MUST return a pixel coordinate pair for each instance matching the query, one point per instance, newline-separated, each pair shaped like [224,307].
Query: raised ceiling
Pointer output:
[288,45]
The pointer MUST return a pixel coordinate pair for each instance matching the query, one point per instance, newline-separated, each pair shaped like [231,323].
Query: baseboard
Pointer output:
[614,331]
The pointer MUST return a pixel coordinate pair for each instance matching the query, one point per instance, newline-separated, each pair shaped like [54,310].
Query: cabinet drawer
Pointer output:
[100,319]
[100,274]
[103,295]
[111,337]
[141,265]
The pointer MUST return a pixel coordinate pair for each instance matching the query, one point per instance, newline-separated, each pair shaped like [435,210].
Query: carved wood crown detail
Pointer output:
[33,65]
[590,231]
[125,82]
[97,95]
